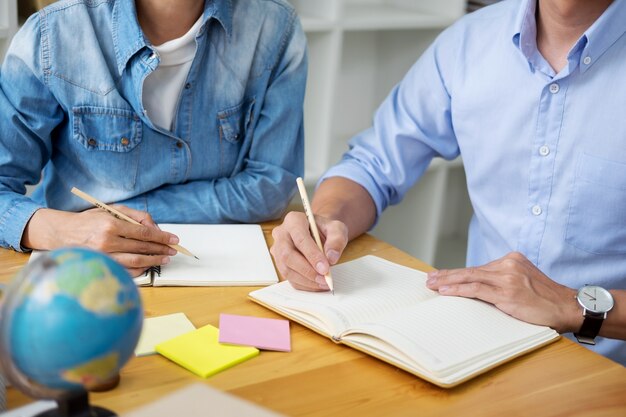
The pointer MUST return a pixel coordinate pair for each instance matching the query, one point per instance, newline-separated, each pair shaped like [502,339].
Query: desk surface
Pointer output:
[321,378]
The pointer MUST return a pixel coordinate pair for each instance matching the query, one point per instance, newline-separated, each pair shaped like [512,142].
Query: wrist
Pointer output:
[572,315]
[41,231]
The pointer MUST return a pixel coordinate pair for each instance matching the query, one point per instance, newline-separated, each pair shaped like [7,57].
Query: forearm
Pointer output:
[248,197]
[339,198]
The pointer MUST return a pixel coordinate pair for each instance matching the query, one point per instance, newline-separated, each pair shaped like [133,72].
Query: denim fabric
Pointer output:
[70,105]
[544,153]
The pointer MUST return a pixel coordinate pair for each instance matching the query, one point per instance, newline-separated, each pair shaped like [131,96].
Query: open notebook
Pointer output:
[229,255]
[385,310]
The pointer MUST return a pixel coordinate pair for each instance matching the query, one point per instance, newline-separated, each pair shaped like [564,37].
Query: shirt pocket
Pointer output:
[234,126]
[597,212]
[108,144]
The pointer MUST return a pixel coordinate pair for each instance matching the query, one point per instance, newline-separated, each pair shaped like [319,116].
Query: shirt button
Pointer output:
[92,142]
[554,88]
[152,56]
[124,141]
[587,60]
[537,210]
[179,144]
[544,151]
[187,86]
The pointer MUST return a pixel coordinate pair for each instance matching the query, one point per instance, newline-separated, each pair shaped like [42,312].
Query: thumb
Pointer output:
[336,238]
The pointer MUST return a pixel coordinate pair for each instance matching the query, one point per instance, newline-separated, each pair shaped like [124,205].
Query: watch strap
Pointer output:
[590,329]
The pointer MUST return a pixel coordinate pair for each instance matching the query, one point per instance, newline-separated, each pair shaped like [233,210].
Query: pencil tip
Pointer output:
[196,257]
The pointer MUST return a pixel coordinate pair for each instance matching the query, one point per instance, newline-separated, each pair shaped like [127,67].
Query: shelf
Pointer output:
[386,17]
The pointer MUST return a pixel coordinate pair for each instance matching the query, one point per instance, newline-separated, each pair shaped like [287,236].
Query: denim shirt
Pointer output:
[70,105]
[544,152]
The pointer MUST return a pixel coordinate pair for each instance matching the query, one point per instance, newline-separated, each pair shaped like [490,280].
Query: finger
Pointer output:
[336,239]
[137,272]
[443,277]
[142,217]
[294,267]
[146,234]
[304,284]
[133,261]
[303,242]
[141,247]
[296,280]
[477,290]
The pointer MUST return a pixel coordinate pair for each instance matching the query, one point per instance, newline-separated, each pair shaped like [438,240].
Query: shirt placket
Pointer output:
[178,152]
[542,163]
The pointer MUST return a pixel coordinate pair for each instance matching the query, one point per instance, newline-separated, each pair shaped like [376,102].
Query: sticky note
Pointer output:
[200,352]
[263,333]
[160,329]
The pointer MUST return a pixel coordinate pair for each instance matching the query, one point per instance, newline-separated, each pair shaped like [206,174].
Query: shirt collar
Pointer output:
[603,33]
[128,37]
[525,28]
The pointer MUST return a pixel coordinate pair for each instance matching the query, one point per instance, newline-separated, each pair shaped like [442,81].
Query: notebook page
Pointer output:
[449,334]
[229,255]
[366,288]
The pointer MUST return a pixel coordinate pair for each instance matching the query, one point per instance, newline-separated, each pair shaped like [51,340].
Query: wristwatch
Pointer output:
[596,303]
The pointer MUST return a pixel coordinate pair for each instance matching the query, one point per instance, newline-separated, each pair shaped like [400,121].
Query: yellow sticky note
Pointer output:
[157,330]
[200,352]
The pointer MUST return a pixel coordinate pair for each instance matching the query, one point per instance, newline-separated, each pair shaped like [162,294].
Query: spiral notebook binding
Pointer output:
[153,270]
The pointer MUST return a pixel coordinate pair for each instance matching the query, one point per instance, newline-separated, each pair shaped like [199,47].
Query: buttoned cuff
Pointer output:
[13,222]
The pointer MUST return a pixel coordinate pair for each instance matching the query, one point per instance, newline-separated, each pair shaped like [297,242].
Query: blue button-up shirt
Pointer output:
[71,104]
[544,153]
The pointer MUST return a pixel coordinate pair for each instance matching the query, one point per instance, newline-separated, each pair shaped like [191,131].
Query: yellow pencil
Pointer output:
[316,234]
[121,216]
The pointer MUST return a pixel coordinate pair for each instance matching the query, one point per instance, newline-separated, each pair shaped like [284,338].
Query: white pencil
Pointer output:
[316,234]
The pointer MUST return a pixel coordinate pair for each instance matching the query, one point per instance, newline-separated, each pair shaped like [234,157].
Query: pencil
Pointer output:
[118,214]
[316,234]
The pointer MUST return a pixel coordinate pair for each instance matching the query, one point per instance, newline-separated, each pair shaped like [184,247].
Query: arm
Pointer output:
[517,287]
[411,127]
[262,190]
[29,114]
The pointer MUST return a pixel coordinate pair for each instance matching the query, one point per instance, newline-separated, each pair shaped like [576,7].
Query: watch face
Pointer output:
[595,299]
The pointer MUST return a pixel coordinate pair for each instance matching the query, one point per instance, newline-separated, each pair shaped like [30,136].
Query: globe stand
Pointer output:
[77,405]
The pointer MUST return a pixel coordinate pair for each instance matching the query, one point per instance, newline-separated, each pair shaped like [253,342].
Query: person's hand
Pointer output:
[298,258]
[136,247]
[517,287]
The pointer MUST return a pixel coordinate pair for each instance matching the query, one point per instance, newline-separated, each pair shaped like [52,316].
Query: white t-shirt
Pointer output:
[161,89]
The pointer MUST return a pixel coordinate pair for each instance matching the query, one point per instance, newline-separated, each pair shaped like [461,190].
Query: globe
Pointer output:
[69,321]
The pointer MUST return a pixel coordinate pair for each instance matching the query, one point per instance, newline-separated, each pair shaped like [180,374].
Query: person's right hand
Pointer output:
[136,247]
[297,256]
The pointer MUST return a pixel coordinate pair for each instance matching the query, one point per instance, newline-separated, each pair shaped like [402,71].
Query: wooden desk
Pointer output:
[320,378]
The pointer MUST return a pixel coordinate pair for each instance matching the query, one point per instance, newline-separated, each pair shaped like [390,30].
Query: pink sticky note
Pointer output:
[267,334]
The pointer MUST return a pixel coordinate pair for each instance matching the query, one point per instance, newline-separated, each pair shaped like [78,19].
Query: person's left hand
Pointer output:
[517,287]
